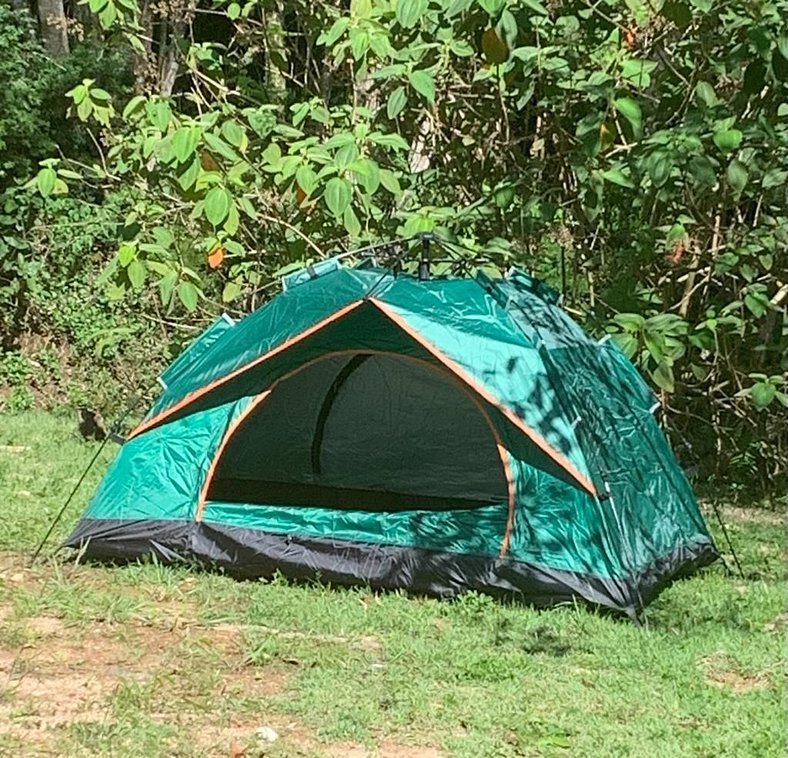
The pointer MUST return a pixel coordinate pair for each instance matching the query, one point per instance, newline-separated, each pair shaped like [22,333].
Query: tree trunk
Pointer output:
[276,55]
[143,65]
[52,18]
[181,15]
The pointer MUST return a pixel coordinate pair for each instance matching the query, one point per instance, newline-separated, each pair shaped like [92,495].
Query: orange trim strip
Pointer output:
[192,396]
[537,439]
[503,453]
[263,396]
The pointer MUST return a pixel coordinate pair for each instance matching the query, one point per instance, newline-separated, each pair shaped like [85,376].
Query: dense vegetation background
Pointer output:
[161,162]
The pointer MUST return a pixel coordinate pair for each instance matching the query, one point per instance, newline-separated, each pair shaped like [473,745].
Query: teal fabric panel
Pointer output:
[537,317]
[478,531]
[282,318]
[195,350]
[628,384]
[650,496]
[477,334]
[159,474]
[559,526]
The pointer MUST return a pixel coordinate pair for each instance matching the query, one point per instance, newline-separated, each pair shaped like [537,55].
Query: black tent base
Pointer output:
[249,553]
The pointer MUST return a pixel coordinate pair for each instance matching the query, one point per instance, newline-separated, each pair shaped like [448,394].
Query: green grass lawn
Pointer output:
[163,661]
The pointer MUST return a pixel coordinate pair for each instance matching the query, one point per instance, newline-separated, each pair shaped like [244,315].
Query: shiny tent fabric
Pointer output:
[435,436]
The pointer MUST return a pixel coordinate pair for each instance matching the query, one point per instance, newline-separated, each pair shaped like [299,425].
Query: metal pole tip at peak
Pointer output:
[424,260]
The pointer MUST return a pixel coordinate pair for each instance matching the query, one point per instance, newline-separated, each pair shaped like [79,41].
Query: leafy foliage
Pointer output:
[634,153]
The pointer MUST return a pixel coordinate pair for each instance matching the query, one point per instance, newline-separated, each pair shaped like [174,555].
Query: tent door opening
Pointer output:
[364,431]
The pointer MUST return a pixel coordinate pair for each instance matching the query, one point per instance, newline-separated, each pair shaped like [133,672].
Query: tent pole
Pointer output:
[424,261]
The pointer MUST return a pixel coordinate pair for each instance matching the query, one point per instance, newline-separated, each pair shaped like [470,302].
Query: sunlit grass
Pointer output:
[190,661]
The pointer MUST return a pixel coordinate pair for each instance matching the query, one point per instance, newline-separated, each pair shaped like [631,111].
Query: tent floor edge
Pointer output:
[247,553]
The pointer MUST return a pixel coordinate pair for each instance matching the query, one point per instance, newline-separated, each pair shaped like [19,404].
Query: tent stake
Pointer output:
[715,507]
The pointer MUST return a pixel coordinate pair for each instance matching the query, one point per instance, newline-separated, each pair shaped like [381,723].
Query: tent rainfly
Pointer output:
[436,435]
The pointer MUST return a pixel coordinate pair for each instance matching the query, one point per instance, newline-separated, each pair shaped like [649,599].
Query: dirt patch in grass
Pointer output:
[196,677]
[720,671]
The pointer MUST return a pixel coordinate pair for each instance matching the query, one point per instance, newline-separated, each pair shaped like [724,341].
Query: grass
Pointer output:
[153,660]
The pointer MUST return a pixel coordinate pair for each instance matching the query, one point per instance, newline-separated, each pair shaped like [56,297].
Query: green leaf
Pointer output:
[536,7]
[78,93]
[396,102]
[702,170]
[659,165]
[46,181]
[705,92]
[461,48]
[424,83]
[458,6]
[133,105]
[184,141]
[408,12]
[632,322]
[663,377]
[345,156]
[218,145]
[762,394]
[136,273]
[233,220]
[272,155]
[351,222]
[160,114]
[216,205]
[782,45]
[189,177]
[230,292]
[163,237]
[126,254]
[757,303]
[389,180]
[189,295]
[368,173]
[233,11]
[504,196]
[727,140]
[306,178]
[493,7]
[359,43]
[737,175]
[389,140]
[774,177]
[234,133]
[108,15]
[628,344]
[167,286]
[337,195]
[630,110]
[616,176]
[337,29]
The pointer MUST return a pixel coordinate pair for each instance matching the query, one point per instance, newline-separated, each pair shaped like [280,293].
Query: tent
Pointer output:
[435,434]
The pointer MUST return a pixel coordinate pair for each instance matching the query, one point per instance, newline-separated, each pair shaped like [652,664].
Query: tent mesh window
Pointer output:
[363,431]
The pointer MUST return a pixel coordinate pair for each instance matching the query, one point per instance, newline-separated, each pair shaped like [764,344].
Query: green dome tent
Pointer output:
[436,435]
